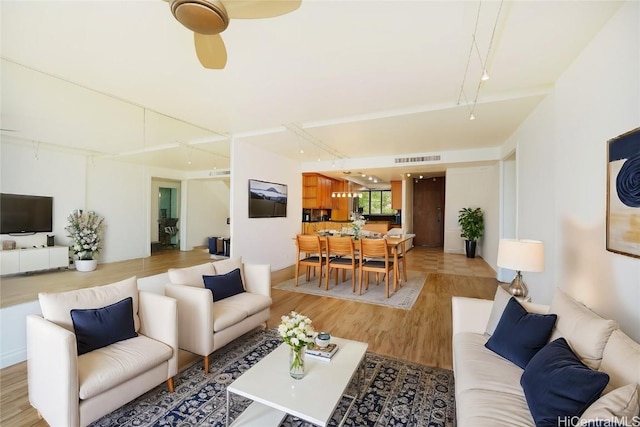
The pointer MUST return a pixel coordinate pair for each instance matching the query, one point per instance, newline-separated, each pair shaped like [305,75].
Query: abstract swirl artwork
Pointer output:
[623,194]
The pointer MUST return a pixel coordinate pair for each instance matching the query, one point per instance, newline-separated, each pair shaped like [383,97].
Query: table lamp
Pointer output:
[520,255]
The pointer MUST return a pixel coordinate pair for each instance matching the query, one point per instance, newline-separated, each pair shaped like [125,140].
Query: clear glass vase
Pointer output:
[356,233]
[296,363]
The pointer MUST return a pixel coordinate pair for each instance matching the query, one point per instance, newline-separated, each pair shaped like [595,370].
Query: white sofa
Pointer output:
[204,325]
[487,386]
[69,390]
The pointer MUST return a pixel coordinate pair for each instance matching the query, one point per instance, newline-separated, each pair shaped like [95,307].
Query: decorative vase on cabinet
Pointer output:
[85,265]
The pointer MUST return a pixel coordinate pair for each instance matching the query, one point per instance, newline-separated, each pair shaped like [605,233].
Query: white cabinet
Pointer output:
[34,259]
[58,257]
[9,262]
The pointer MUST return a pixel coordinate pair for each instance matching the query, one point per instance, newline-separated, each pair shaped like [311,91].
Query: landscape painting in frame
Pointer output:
[623,194]
[267,199]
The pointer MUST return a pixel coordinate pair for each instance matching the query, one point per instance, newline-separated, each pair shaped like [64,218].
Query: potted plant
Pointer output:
[85,230]
[472,225]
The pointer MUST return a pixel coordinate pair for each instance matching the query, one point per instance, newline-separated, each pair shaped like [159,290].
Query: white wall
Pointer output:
[119,192]
[472,187]
[508,206]
[207,211]
[50,173]
[264,240]
[535,190]
[13,340]
[562,173]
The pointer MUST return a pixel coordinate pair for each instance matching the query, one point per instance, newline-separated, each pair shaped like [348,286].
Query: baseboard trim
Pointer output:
[13,357]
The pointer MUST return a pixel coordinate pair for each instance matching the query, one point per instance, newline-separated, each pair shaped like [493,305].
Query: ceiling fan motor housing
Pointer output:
[201,16]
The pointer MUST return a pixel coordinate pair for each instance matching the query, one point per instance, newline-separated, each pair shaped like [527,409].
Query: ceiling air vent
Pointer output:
[418,159]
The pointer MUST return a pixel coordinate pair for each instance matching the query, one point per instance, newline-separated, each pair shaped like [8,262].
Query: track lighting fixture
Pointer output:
[471,104]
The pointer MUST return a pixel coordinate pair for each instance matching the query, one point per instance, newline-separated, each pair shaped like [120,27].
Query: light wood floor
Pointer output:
[421,335]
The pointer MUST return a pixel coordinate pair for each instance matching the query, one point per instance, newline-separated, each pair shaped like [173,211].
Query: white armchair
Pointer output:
[71,390]
[204,325]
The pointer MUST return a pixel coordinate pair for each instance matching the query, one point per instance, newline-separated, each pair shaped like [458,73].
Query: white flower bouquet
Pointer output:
[357,222]
[296,330]
[85,230]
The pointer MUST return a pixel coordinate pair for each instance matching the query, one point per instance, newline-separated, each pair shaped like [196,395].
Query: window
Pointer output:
[376,202]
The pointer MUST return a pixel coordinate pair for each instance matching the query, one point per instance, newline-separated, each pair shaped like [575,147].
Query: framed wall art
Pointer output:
[623,194]
[267,199]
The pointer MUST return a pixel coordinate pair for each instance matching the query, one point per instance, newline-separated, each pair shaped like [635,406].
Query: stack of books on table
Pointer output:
[321,353]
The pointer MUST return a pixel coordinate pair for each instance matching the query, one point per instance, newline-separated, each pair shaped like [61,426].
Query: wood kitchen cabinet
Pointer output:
[316,191]
[309,227]
[342,206]
[396,195]
[314,227]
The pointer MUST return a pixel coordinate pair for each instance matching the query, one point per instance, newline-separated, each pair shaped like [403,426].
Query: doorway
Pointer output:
[428,211]
[168,216]
[165,214]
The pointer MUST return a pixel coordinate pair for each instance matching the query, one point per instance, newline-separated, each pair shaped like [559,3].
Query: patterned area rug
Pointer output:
[404,297]
[397,393]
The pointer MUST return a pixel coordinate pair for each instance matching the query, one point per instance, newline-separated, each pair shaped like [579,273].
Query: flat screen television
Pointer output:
[267,199]
[21,213]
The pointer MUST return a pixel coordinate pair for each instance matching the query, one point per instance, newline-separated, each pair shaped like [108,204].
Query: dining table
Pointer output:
[394,243]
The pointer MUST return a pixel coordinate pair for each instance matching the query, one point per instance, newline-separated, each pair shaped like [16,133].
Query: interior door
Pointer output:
[428,212]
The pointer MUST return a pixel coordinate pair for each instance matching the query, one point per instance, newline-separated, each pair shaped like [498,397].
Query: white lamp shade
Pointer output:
[521,255]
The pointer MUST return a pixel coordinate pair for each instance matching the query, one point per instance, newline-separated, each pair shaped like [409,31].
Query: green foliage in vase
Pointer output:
[471,222]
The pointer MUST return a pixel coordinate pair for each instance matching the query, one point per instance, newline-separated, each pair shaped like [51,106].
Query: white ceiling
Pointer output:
[339,79]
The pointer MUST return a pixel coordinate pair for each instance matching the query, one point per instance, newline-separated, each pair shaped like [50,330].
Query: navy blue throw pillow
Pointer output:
[224,285]
[520,334]
[99,327]
[558,386]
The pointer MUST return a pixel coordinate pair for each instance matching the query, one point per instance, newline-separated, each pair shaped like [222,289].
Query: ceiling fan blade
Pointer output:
[251,9]
[210,50]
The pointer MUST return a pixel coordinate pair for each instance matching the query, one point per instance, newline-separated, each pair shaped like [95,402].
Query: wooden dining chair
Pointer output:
[399,232]
[342,256]
[374,256]
[310,254]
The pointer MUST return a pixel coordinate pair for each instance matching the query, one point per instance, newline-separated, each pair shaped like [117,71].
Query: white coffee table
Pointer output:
[313,398]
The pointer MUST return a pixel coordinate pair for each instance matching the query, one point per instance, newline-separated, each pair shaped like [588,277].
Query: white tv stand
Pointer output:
[27,260]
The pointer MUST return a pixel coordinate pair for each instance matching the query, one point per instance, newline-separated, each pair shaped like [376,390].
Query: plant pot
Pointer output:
[470,248]
[85,265]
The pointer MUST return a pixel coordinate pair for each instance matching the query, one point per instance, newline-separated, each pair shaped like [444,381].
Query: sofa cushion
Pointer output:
[585,331]
[520,334]
[226,314]
[557,385]
[107,367]
[619,404]
[500,300]
[621,360]
[478,368]
[227,265]
[98,327]
[224,285]
[56,306]
[191,276]
[491,408]
[248,302]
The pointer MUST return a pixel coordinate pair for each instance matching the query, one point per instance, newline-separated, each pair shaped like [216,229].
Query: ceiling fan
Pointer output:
[208,18]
